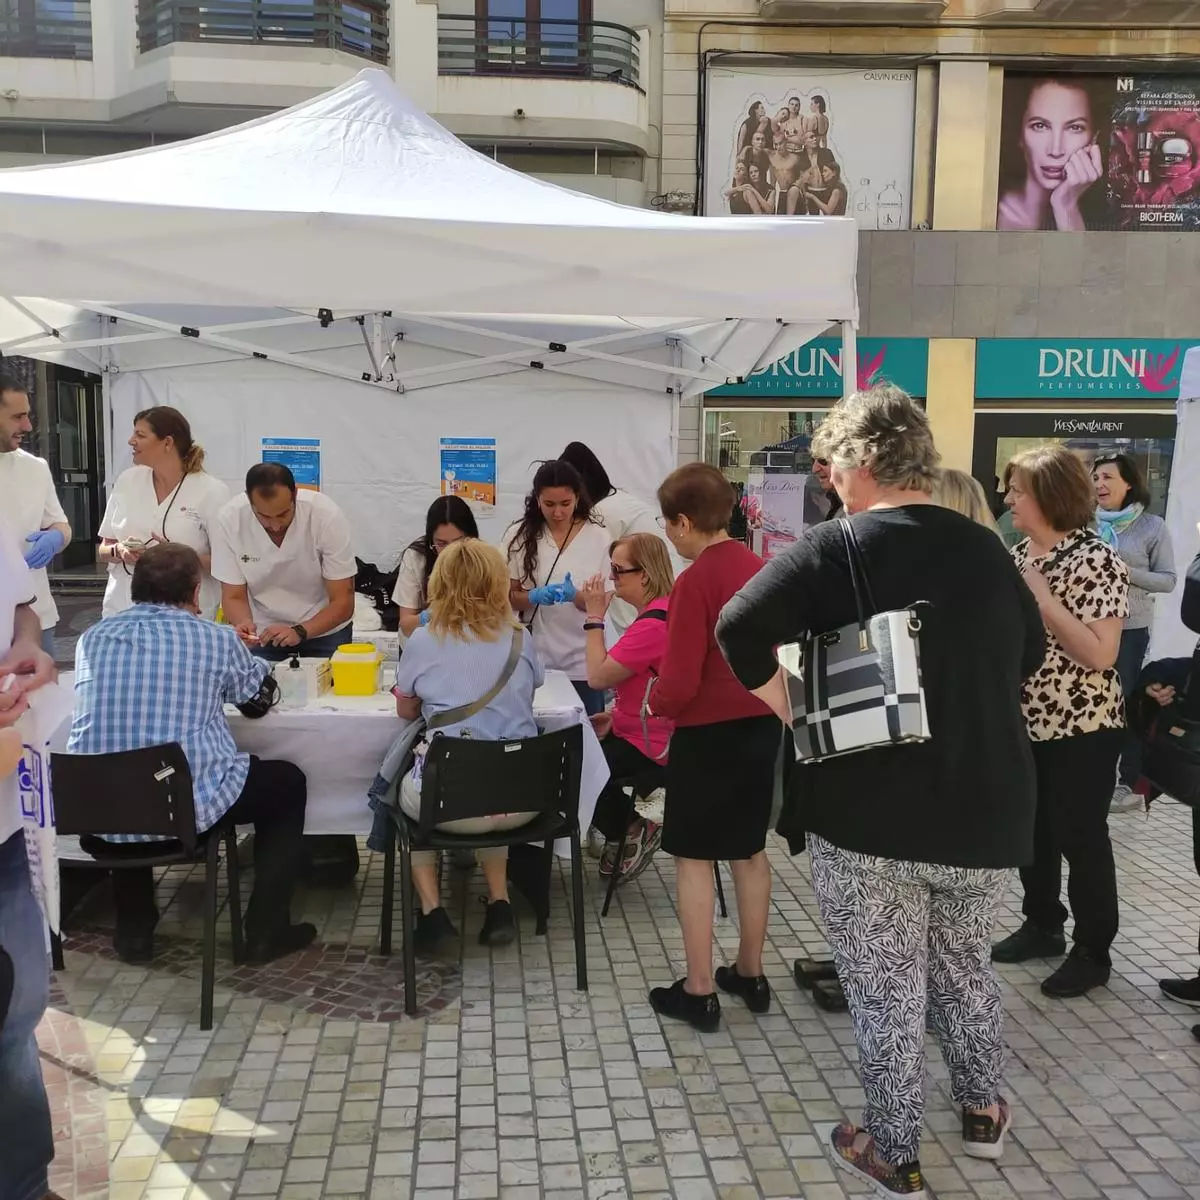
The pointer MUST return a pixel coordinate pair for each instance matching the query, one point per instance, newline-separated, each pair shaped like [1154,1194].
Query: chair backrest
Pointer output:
[146,791]
[470,777]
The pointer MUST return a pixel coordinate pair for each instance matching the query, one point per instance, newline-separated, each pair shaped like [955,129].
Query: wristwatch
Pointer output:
[300,632]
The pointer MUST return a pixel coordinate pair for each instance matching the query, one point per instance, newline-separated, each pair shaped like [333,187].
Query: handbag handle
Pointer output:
[863,597]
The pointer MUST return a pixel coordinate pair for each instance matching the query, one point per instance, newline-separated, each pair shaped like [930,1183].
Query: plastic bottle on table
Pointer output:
[293,683]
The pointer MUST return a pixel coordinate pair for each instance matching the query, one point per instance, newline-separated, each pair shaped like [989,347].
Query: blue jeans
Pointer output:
[25,1132]
[593,699]
[1130,657]
[318,647]
[48,641]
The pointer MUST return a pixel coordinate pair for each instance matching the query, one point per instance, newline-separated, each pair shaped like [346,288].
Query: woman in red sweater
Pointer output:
[721,773]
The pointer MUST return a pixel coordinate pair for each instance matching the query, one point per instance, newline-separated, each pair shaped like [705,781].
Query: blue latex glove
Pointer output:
[43,546]
[545,596]
[423,619]
[566,590]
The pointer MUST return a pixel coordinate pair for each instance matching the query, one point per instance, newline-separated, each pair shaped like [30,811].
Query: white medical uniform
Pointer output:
[285,583]
[16,587]
[409,591]
[623,514]
[188,514]
[30,503]
[558,628]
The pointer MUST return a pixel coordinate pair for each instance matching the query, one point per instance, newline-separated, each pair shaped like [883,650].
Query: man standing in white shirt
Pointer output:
[286,567]
[29,502]
[25,1129]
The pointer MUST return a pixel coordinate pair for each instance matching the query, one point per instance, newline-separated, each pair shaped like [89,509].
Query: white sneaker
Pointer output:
[595,842]
[1124,800]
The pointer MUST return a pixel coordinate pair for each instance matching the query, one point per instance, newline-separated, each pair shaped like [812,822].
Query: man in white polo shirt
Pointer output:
[286,566]
[37,523]
[25,1129]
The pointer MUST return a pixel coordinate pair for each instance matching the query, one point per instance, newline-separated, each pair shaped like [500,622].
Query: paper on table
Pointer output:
[49,708]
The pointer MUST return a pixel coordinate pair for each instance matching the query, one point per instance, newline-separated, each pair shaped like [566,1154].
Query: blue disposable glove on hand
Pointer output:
[423,619]
[566,590]
[545,596]
[43,546]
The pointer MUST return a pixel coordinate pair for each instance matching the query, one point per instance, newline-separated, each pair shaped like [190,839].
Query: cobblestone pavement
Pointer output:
[514,1085]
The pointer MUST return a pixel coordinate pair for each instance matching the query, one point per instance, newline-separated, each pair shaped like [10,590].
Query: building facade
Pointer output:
[1026,176]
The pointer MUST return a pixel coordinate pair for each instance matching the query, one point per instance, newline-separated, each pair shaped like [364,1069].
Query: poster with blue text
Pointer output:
[467,468]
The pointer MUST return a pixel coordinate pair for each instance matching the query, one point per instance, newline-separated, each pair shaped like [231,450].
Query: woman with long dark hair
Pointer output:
[556,544]
[448,520]
[1144,544]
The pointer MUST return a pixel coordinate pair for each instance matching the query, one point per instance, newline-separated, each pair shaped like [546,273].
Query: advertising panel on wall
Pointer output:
[803,141]
[1093,369]
[1082,151]
[815,369]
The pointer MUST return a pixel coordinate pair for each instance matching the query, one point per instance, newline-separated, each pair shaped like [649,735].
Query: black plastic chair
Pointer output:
[467,777]
[146,791]
[640,786]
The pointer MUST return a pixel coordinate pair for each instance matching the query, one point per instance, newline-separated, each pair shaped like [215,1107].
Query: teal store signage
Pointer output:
[1089,369]
[815,369]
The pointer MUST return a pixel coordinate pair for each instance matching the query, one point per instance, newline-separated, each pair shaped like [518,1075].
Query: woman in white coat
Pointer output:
[166,496]
[622,515]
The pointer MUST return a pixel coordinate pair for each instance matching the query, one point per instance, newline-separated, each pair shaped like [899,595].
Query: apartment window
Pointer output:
[45,29]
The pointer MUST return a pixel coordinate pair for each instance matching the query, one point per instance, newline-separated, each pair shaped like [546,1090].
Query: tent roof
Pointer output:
[356,201]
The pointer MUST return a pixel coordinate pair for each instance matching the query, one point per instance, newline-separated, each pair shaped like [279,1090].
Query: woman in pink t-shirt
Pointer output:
[635,746]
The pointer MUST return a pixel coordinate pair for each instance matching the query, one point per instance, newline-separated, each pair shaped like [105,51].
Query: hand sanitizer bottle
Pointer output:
[293,684]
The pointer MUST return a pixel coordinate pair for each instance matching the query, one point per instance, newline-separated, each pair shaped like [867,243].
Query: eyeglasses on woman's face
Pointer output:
[616,572]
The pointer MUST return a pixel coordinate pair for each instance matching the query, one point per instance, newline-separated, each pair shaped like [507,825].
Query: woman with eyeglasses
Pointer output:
[1143,543]
[448,520]
[635,746]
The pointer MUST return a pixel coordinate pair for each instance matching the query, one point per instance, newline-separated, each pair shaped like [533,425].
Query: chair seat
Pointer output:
[90,851]
[540,829]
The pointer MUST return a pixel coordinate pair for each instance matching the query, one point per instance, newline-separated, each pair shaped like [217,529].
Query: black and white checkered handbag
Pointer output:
[857,687]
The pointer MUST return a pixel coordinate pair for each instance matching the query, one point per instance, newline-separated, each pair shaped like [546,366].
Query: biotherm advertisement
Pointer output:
[1100,152]
[800,141]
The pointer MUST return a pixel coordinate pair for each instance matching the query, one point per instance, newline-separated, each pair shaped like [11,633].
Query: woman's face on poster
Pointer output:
[1058,122]
[757,111]
[783,116]
[794,106]
[739,172]
[755,174]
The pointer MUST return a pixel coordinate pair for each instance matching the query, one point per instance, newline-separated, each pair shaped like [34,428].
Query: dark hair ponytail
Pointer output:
[445,510]
[554,473]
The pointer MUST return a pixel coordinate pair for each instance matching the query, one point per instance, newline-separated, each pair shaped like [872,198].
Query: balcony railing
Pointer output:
[470,45]
[355,26]
[45,29]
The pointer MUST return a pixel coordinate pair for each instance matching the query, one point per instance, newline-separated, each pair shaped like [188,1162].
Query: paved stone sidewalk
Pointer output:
[513,1085]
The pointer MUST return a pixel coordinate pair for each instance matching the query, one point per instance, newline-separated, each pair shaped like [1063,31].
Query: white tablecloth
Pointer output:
[339,742]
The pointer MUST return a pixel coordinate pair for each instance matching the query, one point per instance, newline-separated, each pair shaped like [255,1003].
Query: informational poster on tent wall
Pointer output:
[774,508]
[301,455]
[467,468]
[1100,152]
[799,141]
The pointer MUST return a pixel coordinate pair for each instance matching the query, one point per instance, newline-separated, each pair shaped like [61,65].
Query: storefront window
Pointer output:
[1148,438]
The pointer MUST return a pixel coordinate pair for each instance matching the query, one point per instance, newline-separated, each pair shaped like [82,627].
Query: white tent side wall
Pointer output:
[380,450]
[1169,637]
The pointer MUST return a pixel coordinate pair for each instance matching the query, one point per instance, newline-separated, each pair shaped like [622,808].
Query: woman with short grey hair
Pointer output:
[913,845]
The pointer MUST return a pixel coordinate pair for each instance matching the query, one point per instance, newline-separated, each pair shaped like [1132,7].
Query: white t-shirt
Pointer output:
[623,514]
[558,629]
[30,503]
[187,514]
[285,583]
[16,587]
[409,591]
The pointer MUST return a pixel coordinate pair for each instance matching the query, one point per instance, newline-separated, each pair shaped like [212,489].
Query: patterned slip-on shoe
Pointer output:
[857,1155]
[640,850]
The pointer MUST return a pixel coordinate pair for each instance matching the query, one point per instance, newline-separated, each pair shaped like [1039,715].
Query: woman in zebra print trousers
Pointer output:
[912,845]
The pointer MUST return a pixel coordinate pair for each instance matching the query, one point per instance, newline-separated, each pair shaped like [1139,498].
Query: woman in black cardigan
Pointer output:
[913,846]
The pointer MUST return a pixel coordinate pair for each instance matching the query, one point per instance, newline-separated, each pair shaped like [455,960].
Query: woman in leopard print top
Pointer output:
[1076,718]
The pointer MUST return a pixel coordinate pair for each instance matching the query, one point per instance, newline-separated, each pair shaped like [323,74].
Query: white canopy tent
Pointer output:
[351,242]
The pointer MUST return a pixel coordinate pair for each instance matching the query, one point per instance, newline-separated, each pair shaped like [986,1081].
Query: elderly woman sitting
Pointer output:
[471,643]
